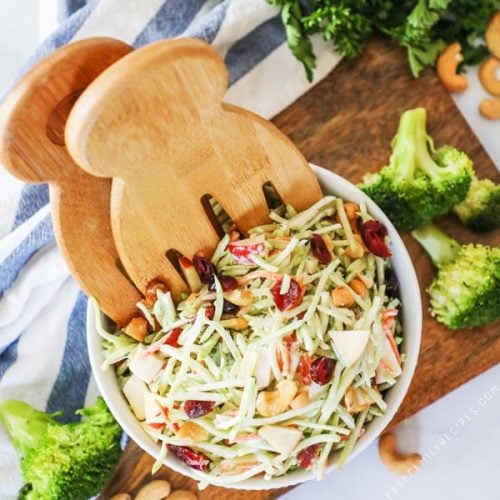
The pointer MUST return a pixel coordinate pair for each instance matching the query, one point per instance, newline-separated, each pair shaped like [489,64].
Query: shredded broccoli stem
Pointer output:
[440,247]
[232,360]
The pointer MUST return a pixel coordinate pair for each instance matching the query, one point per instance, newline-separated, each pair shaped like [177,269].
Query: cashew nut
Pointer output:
[358,286]
[234,323]
[137,328]
[342,297]
[490,108]
[155,490]
[367,280]
[394,461]
[183,495]
[492,35]
[300,401]
[488,78]
[239,297]
[121,496]
[271,403]
[351,210]
[446,68]
[193,431]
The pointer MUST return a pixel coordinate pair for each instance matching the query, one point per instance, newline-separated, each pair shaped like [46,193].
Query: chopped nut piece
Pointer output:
[358,286]
[300,401]
[193,431]
[239,297]
[342,297]
[351,210]
[151,288]
[271,403]
[137,328]
[235,323]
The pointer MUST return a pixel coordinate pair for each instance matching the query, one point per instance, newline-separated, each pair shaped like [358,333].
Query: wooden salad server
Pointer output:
[155,122]
[32,120]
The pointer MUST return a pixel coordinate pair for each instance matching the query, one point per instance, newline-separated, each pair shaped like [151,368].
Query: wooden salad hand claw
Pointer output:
[155,122]
[32,120]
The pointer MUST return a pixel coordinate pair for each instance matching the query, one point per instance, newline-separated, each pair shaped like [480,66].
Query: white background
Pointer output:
[459,436]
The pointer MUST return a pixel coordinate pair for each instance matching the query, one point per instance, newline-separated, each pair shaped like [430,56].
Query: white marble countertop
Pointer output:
[458,436]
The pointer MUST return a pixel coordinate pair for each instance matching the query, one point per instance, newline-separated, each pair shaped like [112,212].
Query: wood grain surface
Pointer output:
[32,119]
[154,121]
[345,123]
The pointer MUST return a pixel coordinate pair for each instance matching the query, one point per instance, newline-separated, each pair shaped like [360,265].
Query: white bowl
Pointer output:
[412,327]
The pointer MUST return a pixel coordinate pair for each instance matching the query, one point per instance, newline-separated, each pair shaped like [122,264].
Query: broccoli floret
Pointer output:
[466,290]
[481,208]
[420,183]
[62,461]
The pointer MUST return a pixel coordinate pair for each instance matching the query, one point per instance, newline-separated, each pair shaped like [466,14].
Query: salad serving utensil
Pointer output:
[156,123]
[32,148]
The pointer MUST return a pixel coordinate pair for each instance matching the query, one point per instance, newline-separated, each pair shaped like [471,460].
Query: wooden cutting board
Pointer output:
[345,123]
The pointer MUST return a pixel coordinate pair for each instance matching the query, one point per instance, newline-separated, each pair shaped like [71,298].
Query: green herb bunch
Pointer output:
[423,27]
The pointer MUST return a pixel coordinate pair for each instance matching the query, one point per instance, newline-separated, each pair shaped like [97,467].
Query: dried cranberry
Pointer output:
[205,269]
[173,338]
[209,312]
[243,250]
[391,282]
[193,459]
[322,370]
[290,299]
[373,233]
[319,249]
[306,457]
[197,409]
[230,308]
[228,283]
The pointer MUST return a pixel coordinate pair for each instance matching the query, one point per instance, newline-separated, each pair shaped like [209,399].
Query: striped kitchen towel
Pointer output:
[43,355]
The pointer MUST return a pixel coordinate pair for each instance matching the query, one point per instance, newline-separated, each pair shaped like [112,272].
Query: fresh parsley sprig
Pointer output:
[423,27]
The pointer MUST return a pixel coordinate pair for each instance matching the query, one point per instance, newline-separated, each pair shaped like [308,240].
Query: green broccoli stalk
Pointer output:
[466,290]
[481,208]
[420,183]
[62,461]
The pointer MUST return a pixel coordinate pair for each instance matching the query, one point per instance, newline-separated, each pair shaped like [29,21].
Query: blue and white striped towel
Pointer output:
[43,355]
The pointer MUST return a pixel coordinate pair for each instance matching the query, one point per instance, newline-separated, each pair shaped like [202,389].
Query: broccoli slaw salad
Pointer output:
[280,355]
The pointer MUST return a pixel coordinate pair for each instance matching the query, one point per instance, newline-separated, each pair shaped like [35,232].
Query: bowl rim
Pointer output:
[331,183]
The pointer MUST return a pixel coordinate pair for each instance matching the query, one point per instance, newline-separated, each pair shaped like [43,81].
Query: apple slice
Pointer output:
[349,344]
[152,409]
[355,400]
[282,439]
[145,365]
[242,250]
[263,370]
[389,364]
[134,390]
[190,274]
[247,365]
